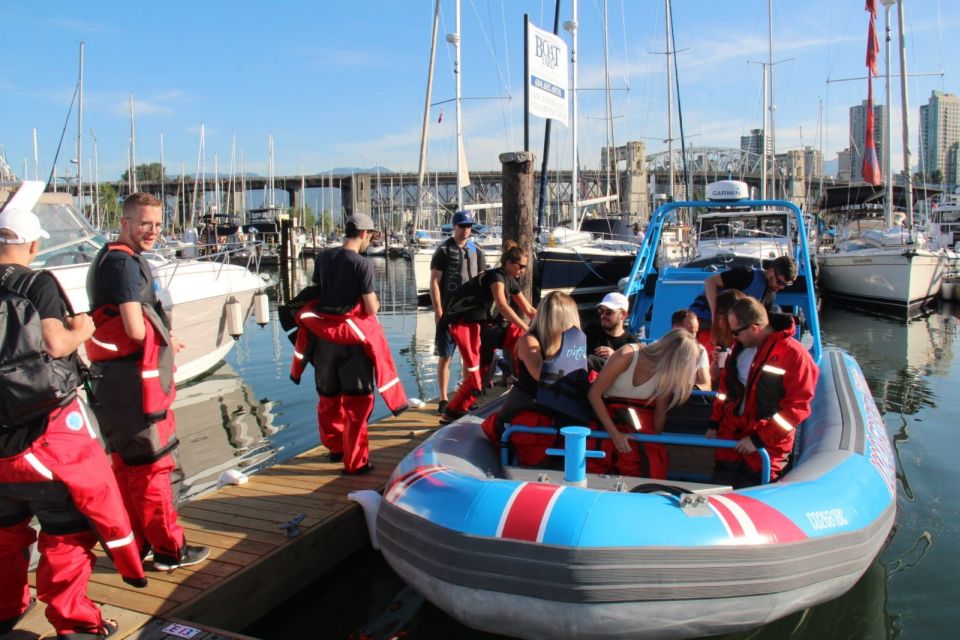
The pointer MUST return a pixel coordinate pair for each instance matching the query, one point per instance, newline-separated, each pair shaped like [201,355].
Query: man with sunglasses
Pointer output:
[608,336]
[456,260]
[762,283]
[766,387]
[131,352]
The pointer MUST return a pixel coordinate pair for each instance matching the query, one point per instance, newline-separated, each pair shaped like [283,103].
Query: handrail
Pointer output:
[662,438]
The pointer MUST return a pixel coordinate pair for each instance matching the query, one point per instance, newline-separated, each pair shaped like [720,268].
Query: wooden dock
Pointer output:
[253,564]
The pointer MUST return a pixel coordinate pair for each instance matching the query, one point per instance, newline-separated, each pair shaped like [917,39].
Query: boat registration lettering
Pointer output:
[862,260]
[181,631]
[828,519]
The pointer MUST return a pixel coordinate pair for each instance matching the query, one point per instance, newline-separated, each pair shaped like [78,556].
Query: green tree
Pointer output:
[936,176]
[110,207]
[152,172]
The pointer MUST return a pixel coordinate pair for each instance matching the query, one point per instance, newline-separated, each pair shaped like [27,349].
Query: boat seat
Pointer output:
[677,288]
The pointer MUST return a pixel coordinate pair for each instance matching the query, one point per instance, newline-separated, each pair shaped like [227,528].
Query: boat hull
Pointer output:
[894,278]
[582,272]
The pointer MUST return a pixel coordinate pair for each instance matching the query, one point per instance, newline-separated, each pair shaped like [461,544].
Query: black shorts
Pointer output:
[342,369]
[49,501]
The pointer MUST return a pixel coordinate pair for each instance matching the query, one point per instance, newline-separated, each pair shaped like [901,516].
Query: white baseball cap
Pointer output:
[615,300]
[24,224]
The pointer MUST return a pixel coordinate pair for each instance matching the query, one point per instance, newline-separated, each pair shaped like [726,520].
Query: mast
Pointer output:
[454,39]
[132,178]
[163,194]
[771,106]
[905,110]
[36,157]
[611,143]
[571,28]
[887,165]
[425,130]
[667,11]
[80,132]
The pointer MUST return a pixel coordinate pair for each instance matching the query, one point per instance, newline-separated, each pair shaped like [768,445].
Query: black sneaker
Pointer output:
[188,556]
[335,457]
[442,406]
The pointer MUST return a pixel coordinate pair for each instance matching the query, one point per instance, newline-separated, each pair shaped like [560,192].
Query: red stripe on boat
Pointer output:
[527,511]
[733,525]
[407,480]
[768,521]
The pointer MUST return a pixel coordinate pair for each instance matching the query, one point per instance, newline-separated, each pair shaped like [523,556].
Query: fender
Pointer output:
[353,328]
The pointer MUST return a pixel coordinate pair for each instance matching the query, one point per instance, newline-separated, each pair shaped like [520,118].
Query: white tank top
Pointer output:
[623,386]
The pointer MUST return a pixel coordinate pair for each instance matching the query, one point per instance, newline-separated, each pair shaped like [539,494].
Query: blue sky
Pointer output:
[342,83]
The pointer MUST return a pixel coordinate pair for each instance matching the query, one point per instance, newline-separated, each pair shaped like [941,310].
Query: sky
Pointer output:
[342,83]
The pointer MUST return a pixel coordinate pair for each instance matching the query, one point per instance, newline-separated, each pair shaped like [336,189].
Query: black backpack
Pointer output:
[32,383]
[472,302]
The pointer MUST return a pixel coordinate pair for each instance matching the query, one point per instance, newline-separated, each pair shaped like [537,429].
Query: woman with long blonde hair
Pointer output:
[641,382]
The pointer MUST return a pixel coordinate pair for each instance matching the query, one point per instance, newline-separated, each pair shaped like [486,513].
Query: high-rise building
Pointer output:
[843,166]
[940,136]
[812,162]
[753,143]
[858,135]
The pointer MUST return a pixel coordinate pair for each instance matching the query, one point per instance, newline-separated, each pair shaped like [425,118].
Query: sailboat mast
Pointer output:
[887,165]
[571,27]
[770,104]
[80,132]
[905,111]
[667,10]
[132,178]
[163,195]
[425,130]
[454,39]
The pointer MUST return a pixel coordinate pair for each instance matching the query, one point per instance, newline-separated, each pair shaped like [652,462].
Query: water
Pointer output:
[910,367]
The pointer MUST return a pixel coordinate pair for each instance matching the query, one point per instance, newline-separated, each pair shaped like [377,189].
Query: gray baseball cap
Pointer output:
[362,222]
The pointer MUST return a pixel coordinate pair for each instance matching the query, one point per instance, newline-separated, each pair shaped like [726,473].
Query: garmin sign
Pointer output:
[547,76]
[728,190]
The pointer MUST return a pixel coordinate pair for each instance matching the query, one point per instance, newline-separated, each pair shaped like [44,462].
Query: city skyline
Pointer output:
[342,84]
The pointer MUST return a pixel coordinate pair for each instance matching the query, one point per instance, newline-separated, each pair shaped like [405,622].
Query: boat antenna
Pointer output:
[542,203]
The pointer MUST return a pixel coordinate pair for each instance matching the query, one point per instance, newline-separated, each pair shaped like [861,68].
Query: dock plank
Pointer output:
[253,565]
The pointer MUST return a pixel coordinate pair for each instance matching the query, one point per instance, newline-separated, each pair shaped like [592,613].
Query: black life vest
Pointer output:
[32,383]
[756,289]
[458,272]
[564,381]
[147,294]
[471,302]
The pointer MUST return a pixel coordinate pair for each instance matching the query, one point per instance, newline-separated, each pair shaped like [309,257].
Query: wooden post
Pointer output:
[518,211]
[286,287]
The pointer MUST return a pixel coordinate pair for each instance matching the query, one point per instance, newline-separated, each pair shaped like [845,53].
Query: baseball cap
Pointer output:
[362,222]
[615,300]
[463,218]
[24,224]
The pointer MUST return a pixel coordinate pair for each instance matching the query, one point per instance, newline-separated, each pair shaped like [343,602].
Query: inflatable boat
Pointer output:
[559,553]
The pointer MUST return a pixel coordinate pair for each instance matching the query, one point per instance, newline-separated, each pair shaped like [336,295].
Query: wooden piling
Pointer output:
[518,211]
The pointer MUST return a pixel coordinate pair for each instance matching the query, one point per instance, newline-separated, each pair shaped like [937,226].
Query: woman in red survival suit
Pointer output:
[634,391]
[555,327]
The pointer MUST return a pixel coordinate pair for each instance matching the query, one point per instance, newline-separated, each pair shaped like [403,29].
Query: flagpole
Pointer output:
[887,165]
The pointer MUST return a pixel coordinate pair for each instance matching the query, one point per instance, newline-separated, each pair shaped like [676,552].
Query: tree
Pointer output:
[936,176]
[110,208]
[146,172]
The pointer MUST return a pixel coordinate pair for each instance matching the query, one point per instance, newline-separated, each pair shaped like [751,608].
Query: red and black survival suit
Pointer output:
[133,390]
[348,351]
[54,468]
[770,406]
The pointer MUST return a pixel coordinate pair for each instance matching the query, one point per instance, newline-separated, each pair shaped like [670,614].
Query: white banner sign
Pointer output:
[547,62]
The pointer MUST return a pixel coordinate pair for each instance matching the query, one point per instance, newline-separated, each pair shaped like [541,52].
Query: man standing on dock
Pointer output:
[52,466]
[132,354]
[344,373]
[455,261]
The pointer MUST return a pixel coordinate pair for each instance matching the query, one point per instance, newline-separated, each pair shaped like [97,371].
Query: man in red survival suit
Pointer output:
[51,463]
[340,335]
[765,392]
[131,352]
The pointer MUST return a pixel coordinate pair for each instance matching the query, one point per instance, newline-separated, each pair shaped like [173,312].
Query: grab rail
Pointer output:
[662,438]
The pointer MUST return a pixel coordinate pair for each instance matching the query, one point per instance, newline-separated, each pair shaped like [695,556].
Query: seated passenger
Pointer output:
[765,392]
[639,384]
[720,334]
[686,319]
[554,344]
[608,336]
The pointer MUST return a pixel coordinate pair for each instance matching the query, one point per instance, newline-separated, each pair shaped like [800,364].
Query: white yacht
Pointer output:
[194,293]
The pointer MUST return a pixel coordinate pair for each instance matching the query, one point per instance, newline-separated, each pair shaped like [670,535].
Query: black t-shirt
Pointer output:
[343,276]
[441,259]
[44,294]
[118,280]
[740,278]
[597,337]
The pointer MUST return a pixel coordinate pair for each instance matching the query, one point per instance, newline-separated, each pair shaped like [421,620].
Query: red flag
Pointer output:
[871,6]
[871,168]
[873,49]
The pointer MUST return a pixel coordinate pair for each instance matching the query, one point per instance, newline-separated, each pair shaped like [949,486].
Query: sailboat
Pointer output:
[882,265]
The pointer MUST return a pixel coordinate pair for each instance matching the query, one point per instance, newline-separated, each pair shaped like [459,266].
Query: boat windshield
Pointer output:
[743,226]
[72,239]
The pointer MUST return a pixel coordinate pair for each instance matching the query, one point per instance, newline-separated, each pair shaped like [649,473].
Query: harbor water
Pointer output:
[247,414]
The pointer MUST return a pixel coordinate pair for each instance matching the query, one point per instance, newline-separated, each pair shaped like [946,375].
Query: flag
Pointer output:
[873,48]
[440,119]
[871,168]
[871,6]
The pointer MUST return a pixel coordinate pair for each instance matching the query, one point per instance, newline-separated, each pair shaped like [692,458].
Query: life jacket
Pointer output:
[756,289]
[471,302]
[32,383]
[564,380]
[353,328]
[645,459]
[111,342]
[459,269]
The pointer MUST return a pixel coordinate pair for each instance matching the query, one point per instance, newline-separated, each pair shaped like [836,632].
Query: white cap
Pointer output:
[615,300]
[24,224]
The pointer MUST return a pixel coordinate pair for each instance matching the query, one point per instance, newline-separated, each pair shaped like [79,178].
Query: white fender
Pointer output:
[369,501]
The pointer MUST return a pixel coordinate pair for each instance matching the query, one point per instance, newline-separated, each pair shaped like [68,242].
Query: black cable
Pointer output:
[63,133]
[676,77]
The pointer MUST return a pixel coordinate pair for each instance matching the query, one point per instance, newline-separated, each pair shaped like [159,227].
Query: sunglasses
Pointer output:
[784,283]
[607,312]
[736,332]
[520,265]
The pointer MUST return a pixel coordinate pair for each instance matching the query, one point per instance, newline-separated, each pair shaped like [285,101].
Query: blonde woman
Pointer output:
[639,384]
[554,335]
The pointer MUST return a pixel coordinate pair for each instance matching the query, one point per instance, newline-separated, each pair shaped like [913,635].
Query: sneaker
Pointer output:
[147,554]
[188,556]
[450,415]
[335,457]
[442,406]
[362,471]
